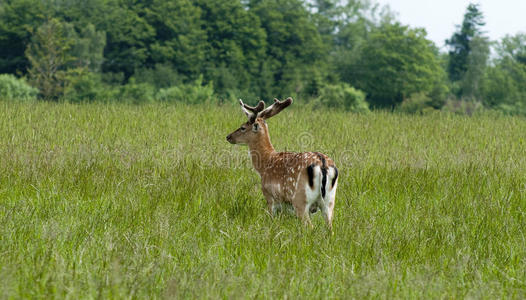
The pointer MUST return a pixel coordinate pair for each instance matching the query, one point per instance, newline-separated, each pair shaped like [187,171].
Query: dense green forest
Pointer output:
[347,54]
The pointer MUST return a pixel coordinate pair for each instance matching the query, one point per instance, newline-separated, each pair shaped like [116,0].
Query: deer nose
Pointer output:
[230,139]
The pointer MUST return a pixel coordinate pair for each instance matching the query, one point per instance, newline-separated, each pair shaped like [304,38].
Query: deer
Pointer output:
[306,181]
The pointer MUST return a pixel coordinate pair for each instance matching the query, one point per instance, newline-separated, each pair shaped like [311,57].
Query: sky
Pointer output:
[439,17]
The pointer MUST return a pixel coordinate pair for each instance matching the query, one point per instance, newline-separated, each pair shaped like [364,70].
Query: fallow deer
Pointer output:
[306,180]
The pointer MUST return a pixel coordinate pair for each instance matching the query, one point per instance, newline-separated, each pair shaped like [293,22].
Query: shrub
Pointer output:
[343,96]
[418,103]
[137,92]
[191,93]
[82,85]
[517,108]
[13,88]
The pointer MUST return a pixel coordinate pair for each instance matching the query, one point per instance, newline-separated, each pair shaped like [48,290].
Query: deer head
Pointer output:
[256,128]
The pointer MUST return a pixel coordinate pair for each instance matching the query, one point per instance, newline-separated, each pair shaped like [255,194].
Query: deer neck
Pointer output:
[261,151]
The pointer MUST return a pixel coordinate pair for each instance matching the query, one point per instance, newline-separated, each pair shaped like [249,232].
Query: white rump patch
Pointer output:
[313,194]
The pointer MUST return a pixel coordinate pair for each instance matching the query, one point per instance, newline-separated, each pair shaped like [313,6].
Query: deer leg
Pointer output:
[302,207]
[327,214]
[306,218]
[302,211]
[328,207]
[270,202]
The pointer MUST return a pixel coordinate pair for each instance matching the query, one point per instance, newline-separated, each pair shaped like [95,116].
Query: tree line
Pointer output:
[349,54]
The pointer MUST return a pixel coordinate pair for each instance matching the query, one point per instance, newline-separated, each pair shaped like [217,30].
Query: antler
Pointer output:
[275,108]
[258,111]
[252,112]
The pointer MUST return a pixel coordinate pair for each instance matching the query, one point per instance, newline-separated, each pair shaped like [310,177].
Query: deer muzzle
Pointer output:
[229,139]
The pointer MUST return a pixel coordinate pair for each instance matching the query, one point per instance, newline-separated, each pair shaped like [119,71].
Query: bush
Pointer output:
[191,93]
[343,96]
[137,92]
[438,94]
[12,88]
[503,87]
[518,108]
[418,103]
[82,85]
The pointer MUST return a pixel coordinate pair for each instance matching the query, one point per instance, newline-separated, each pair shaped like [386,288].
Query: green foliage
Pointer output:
[191,93]
[160,76]
[503,86]
[114,49]
[179,38]
[343,96]
[83,85]
[349,27]
[470,85]
[513,108]
[137,93]
[460,42]
[12,88]
[468,56]
[128,37]
[397,62]
[236,45]
[418,103]
[48,53]
[64,62]
[513,47]
[18,21]
[87,48]
[440,91]
[294,45]
[225,81]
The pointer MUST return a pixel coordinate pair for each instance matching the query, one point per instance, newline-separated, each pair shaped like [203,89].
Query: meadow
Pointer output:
[150,201]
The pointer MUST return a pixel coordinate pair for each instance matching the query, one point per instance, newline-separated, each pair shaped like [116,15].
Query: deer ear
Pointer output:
[255,127]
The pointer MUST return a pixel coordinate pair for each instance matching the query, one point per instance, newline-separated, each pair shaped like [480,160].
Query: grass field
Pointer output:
[122,201]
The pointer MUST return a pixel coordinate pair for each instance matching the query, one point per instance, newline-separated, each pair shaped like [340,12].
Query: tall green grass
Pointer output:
[122,201]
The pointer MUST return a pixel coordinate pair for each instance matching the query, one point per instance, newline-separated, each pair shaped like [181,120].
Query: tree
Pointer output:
[350,36]
[179,36]
[18,19]
[87,50]
[236,45]
[397,62]
[324,15]
[470,85]
[346,26]
[461,42]
[127,33]
[48,54]
[503,87]
[513,47]
[295,52]
[128,37]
